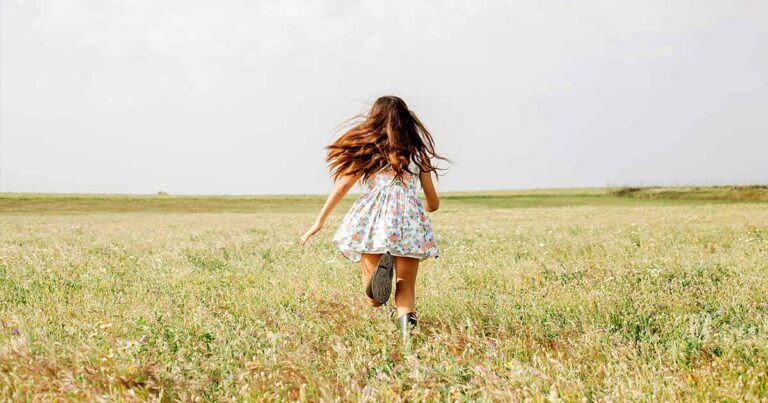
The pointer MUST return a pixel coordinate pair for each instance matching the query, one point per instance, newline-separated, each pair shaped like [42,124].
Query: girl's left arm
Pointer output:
[340,189]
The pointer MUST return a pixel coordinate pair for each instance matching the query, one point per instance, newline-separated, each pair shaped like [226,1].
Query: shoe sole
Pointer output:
[380,286]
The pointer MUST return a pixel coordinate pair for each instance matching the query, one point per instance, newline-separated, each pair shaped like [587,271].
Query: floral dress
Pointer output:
[387,217]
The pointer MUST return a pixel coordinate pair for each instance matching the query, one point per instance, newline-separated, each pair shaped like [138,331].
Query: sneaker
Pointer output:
[380,285]
[407,322]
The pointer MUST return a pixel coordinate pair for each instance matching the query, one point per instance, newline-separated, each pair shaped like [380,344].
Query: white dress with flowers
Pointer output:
[387,217]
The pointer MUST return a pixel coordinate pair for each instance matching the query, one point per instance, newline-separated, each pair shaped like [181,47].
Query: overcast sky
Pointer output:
[239,97]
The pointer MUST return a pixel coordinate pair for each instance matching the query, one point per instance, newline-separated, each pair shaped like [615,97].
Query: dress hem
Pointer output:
[385,250]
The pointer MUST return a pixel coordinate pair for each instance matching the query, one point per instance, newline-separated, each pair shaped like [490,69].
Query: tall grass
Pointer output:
[598,302]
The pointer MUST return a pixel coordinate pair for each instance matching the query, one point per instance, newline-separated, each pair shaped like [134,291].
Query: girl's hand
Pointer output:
[340,188]
[310,233]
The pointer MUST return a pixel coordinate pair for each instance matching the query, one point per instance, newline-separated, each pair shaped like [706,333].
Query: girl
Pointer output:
[392,152]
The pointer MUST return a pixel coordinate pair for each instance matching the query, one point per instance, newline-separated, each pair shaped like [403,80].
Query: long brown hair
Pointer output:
[390,134]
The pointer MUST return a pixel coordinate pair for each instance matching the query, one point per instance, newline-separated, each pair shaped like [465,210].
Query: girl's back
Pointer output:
[388,218]
[386,180]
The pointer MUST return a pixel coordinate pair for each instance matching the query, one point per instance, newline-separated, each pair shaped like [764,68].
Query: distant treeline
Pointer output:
[752,193]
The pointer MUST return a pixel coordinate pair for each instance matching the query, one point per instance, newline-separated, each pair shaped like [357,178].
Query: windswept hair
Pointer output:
[389,135]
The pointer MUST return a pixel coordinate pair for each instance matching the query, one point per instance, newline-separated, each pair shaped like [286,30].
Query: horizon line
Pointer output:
[448,193]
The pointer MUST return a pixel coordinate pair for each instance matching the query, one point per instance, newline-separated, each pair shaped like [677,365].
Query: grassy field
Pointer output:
[593,294]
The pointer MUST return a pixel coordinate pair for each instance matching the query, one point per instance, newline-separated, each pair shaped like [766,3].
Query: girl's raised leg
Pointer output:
[406,269]
[369,261]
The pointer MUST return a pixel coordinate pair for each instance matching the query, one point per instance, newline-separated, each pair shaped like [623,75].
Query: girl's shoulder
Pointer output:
[414,168]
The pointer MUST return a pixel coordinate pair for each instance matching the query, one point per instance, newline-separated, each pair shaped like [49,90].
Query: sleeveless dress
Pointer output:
[387,217]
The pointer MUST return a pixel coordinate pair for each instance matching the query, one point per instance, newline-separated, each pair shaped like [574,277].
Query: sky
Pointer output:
[240,97]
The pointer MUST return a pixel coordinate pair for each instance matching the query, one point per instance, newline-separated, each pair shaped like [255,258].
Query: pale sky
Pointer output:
[239,97]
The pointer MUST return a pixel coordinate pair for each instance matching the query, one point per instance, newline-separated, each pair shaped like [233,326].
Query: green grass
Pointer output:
[576,294]
[76,204]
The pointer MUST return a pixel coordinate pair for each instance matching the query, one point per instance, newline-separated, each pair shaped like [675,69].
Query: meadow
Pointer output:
[574,295]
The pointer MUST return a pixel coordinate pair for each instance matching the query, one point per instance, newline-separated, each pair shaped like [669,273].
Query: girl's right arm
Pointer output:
[432,202]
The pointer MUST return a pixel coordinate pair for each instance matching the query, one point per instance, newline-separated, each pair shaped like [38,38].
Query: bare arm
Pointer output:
[340,189]
[432,202]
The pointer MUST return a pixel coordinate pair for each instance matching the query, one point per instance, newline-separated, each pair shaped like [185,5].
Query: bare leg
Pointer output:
[405,291]
[369,261]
